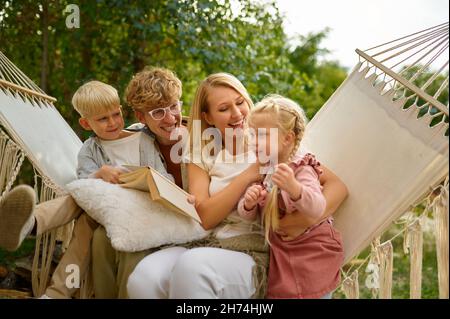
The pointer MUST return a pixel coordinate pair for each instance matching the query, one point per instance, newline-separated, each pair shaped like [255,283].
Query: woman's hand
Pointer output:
[284,178]
[253,195]
[253,172]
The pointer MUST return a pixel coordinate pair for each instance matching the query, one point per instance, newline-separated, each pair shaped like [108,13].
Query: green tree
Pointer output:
[118,38]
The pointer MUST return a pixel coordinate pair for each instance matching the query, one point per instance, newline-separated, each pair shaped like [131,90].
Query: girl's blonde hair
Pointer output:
[95,97]
[289,117]
[200,104]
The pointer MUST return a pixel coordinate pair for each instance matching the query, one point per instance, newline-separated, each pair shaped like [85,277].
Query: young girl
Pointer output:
[304,263]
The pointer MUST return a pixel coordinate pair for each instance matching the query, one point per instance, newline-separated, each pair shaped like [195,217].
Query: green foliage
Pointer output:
[421,76]
[8,258]
[192,37]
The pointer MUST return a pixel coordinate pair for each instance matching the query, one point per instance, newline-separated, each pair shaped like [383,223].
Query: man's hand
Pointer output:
[253,195]
[284,178]
[109,174]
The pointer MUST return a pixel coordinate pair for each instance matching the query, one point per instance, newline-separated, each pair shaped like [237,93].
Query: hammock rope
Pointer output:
[434,41]
[11,160]
[438,27]
[440,210]
[13,78]
[16,75]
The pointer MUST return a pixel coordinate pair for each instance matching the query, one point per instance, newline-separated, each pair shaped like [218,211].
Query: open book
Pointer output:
[160,188]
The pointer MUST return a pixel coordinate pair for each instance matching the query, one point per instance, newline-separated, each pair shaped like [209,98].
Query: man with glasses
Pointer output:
[160,122]
[154,95]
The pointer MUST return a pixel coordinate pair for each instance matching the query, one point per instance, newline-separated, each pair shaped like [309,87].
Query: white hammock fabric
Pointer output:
[43,134]
[387,157]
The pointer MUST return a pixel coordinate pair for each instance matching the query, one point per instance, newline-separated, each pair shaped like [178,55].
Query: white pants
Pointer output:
[182,273]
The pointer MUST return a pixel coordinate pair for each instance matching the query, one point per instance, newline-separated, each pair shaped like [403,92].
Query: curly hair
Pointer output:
[153,87]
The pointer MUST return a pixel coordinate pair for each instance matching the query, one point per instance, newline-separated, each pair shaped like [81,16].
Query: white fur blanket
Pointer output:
[132,220]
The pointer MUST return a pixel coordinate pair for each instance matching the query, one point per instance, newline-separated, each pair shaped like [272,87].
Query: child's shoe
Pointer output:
[16,216]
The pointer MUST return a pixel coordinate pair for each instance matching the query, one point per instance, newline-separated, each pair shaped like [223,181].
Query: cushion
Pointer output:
[132,220]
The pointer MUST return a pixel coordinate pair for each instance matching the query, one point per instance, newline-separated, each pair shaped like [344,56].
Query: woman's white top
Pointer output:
[222,170]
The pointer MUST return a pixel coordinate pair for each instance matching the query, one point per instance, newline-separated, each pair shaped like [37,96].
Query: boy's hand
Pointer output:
[284,178]
[253,195]
[109,174]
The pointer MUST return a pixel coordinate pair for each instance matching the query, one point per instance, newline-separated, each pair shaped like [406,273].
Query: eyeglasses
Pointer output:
[160,113]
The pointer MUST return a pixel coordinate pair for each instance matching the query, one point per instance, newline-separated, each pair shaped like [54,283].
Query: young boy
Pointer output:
[100,157]
[154,95]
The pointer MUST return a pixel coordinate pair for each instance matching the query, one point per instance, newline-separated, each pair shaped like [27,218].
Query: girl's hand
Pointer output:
[253,195]
[284,178]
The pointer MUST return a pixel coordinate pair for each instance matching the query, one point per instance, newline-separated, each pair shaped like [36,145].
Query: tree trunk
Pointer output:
[44,64]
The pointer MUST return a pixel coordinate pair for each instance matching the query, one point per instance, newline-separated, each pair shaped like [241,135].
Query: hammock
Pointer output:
[36,129]
[368,133]
[371,135]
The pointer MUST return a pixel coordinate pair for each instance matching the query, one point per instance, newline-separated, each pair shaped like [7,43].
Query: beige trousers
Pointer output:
[111,268]
[58,212]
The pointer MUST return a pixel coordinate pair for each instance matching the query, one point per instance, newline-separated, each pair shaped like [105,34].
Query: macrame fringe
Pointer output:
[386,259]
[45,243]
[11,160]
[350,286]
[373,268]
[43,254]
[413,244]
[440,210]
[49,191]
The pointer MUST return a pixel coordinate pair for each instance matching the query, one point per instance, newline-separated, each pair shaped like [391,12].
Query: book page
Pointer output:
[174,194]
[135,179]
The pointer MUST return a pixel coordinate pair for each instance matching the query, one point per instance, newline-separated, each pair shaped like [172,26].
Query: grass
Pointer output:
[8,259]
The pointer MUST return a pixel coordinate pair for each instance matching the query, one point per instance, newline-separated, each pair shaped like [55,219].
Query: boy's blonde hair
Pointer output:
[153,87]
[201,101]
[289,117]
[95,97]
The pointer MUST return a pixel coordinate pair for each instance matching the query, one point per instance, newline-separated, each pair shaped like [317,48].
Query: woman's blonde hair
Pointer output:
[153,87]
[95,97]
[200,104]
[289,117]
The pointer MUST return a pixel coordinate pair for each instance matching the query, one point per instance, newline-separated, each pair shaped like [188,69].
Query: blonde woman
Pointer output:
[218,181]
[304,263]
